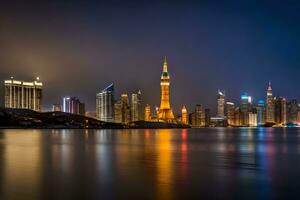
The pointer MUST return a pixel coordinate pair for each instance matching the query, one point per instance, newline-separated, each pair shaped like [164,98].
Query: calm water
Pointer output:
[150,164]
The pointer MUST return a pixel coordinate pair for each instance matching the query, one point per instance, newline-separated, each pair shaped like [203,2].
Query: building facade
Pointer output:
[270,113]
[136,106]
[147,113]
[280,111]
[221,104]
[261,113]
[23,95]
[105,104]
[230,107]
[73,105]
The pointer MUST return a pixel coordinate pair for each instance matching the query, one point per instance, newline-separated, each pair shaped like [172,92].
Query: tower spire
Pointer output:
[165,64]
[270,86]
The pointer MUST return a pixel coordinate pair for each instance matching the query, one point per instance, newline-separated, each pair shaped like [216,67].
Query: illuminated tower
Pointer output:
[165,112]
[270,106]
[184,117]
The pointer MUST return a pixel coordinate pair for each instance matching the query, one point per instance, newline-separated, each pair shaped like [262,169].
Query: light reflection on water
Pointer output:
[149,164]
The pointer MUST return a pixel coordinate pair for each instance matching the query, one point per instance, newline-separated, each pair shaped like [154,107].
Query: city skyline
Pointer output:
[236,47]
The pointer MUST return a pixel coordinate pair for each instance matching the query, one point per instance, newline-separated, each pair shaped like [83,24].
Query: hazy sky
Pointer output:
[77,48]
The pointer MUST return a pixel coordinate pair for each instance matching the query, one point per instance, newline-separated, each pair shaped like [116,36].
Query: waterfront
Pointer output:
[213,163]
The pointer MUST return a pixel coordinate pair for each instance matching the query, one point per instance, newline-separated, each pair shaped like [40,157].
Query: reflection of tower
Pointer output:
[165,112]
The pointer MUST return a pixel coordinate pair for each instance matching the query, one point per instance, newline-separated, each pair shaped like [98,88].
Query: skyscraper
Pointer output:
[147,117]
[270,105]
[184,115]
[136,110]
[280,111]
[24,95]
[165,112]
[125,108]
[197,116]
[73,105]
[221,104]
[292,111]
[207,117]
[118,112]
[245,109]
[230,113]
[261,113]
[105,104]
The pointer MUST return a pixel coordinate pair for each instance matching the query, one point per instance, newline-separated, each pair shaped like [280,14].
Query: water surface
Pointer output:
[214,163]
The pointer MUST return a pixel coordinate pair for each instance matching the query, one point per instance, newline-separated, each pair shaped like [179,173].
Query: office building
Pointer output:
[292,111]
[73,105]
[261,113]
[23,95]
[230,107]
[125,108]
[280,111]
[221,104]
[252,119]
[207,117]
[136,106]
[105,104]
[246,103]
[270,105]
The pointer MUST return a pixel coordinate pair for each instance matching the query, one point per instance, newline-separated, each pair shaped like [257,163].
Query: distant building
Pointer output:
[56,107]
[261,113]
[280,111]
[207,117]
[147,113]
[136,107]
[270,113]
[118,112]
[230,113]
[218,122]
[105,104]
[245,108]
[125,109]
[292,111]
[221,104]
[197,116]
[23,95]
[73,105]
[184,115]
[252,119]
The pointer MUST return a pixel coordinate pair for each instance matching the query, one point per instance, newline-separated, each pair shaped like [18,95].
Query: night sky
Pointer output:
[77,48]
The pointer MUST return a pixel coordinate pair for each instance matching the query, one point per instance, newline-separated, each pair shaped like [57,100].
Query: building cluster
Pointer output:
[273,111]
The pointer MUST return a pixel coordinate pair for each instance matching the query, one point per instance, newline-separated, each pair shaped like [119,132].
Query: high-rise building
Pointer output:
[184,115]
[105,104]
[73,105]
[136,106]
[261,113]
[280,111]
[147,117]
[252,119]
[118,112]
[270,105]
[230,113]
[165,112]
[221,104]
[292,111]
[197,116]
[125,108]
[56,107]
[207,117]
[23,95]
[246,103]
